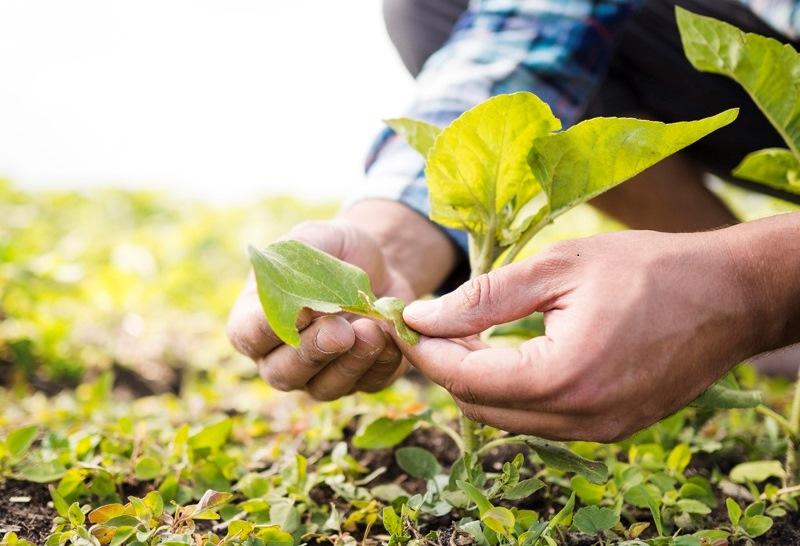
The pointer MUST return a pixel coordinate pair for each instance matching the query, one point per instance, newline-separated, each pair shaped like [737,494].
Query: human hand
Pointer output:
[338,354]
[638,324]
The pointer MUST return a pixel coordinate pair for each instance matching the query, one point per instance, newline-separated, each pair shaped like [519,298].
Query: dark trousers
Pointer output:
[649,75]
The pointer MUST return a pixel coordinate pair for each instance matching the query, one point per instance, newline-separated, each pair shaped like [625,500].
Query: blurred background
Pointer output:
[145,144]
[218,100]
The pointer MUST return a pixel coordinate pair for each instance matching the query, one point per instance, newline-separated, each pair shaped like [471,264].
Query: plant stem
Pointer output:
[791,439]
[482,253]
[504,441]
[524,239]
[782,421]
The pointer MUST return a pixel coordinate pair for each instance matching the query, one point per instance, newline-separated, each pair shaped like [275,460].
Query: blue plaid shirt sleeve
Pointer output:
[558,49]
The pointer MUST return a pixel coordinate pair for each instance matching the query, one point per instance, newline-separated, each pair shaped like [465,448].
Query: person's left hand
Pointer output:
[638,324]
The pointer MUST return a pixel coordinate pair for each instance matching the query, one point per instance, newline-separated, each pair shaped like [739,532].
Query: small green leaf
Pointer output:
[587,492]
[559,457]
[273,536]
[593,520]
[41,471]
[691,506]
[775,167]
[61,506]
[679,458]
[392,522]
[384,432]
[499,519]
[392,310]
[528,327]
[121,535]
[734,511]
[75,514]
[475,496]
[644,496]
[417,462]
[420,135]
[20,440]
[718,396]
[564,516]
[147,468]
[212,436]
[757,471]
[523,489]
[292,276]
[756,526]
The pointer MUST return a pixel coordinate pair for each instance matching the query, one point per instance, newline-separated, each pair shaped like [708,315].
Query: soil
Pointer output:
[30,520]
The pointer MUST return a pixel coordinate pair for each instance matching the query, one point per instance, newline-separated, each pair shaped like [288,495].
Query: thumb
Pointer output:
[503,295]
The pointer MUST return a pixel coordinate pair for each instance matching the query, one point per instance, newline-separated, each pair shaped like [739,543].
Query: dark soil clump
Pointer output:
[30,520]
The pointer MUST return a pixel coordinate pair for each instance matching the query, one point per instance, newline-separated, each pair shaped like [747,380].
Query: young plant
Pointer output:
[501,171]
[720,48]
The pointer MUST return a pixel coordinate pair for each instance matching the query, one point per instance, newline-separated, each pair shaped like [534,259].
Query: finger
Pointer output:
[496,376]
[325,339]
[388,366]
[503,295]
[552,426]
[340,376]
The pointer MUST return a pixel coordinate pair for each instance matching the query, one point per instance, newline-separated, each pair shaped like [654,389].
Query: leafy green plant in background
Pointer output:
[770,73]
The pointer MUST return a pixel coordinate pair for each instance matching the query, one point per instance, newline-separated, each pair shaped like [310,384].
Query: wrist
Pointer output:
[765,256]
[411,244]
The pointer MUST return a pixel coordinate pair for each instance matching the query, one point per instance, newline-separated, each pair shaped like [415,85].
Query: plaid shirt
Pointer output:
[559,49]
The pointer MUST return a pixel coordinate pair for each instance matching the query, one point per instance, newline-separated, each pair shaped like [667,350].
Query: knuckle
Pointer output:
[321,393]
[473,412]
[476,292]
[277,379]
[462,391]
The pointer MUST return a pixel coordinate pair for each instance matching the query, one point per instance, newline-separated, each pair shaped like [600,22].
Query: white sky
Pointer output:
[220,99]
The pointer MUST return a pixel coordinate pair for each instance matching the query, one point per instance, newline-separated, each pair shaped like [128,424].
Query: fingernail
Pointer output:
[422,310]
[326,343]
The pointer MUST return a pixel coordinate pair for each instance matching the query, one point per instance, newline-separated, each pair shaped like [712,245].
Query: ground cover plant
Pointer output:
[219,458]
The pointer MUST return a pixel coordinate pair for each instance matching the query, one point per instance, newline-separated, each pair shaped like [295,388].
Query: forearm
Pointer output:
[415,247]
[766,254]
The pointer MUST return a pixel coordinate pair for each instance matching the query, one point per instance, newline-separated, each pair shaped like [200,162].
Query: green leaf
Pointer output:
[147,468]
[121,535]
[691,506]
[475,496]
[499,519]
[392,522]
[213,436]
[757,471]
[564,516]
[20,440]
[384,432]
[775,167]
[292,276]
[273,536]
[595,155]
[679,458]
[593,520]
[75,514]
[643,496]
[392,310]
[718,396]
[41,471]
[477,172]
[420,135]
[417,462]
[523,489]
[720,48]
[587,492]
[559,457]
[734,511]
[756,526]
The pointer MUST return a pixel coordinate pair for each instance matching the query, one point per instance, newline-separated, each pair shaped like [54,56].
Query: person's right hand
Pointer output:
[338,354]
